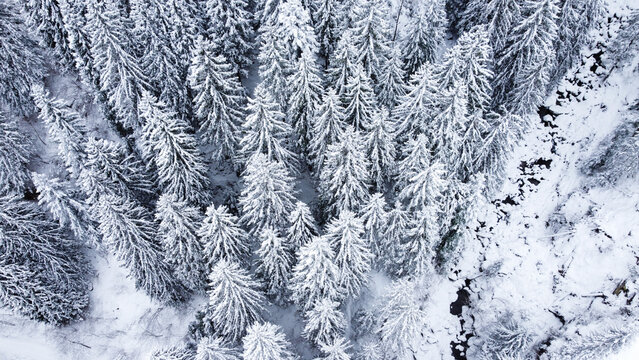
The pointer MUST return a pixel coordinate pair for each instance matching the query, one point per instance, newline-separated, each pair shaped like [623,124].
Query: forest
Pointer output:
[319,179]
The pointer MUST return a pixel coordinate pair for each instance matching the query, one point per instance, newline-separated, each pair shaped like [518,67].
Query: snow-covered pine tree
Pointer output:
[425,187]
[274,263]
[221,236]
[45,17]
[219,99]
[401,319]
[74,16]
[380,149]
[336,350]
[416,155]
[65,127]
[275,66]
[15,151]
[234,300]
[213,348]
[391,85]
[64,206]
[43,274]
[324,322]
[177,231]
[267,197]
[266,342]
[371,34]
[128,230]
[392,247]
[624,46]
[448,126]
[305,88]
[315,276]
[294,29]
[341,65]
[328,127]
[353,256]
[527,58]
[188,22]
[600,343]
[499,16]
[265,131]
[415,108]
[454,10]
[121,77]
[326,20]
[302,226]
[344,179]
[472,140]
[231,31]
[359,99]
[476,69]
[21,62]
[167,141]
[422,238]
[424,36]
[375,217]
[173,353]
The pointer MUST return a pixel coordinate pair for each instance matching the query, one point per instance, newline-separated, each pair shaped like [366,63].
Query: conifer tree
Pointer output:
[302,227]
[416,107]
[274,263]
[294,30]
[416,155]
[65,127]
[352,256]
[232,31]
[380,149]
[74,16]
[527,58]
[336,349]
[234,300]
[213,348]
[472,140]
[173,353]
[266,342]
[424,187]
[21,62]
[391,86]
[305,88]
[454,10]
[344,179]
[177,232]
[221,236]
[324,322]
[499,16]
[359,99]
[326,15]
[342,65]
[476,71]
[265,131]
[267,197]
[371,35]
[63,205]
[128,230]
[173,149]
[121,77]
[43,274]
[219,100]
[422,238]
[275,66]
[424,36]
[375,217]
[15,151]
[447,127]
[327,129]
[392,246]
[315,276]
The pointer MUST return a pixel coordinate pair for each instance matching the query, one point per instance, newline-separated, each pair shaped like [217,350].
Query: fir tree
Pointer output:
[326,14]
[324,322]
[359,100]
[177,232]
[266,342]
[499,16]
[422,237]
[234,300]
[327,128]
[173,353]
[353,257]
[527,58]
[74,15]
[391,86]
[121,77]
[344,179]
[294,29]
[392,246]
[371,35]
[336,349]
[416,155]
[168,142]
[342,65]
[231,31]
[424,36]
[65,208]
[274,263]
[380,149]
[476,71]
[219,100]
[274,67]
[416,107]
[267,197]
[624,46]
[43,274]
[265,131]
[315,276]
[424,187]
[65,127]
[21,62]
[305,89]
[128,230]
[454,11]
[221,236]
[375,218]
[302,227]
[447,127]
[472,140]
[213,348]
[15,151]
